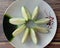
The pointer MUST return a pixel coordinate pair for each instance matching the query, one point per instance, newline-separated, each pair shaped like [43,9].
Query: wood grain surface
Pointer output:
[55,4]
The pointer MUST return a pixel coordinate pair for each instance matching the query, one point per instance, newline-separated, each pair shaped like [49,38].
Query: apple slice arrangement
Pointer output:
[24,24]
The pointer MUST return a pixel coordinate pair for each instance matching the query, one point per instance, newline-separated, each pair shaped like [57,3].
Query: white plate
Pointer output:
[45,11]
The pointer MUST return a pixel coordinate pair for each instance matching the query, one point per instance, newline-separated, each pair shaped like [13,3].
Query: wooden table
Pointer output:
[55,4]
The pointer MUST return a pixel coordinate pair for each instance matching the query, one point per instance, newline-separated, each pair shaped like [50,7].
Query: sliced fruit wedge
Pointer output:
[43,21]
[33,36]
[35,13]
[42,29]
[25,35]
[25,12]
[19,30]
[16,21]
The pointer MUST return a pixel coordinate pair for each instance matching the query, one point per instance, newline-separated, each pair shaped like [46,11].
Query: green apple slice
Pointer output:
[25,13]
[35,13]
[43,21]
[16,21]
[42,29]
[33,36]
[19,30]
[25,35]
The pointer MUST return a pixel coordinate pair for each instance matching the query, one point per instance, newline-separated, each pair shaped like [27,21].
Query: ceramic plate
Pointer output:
[14,10]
